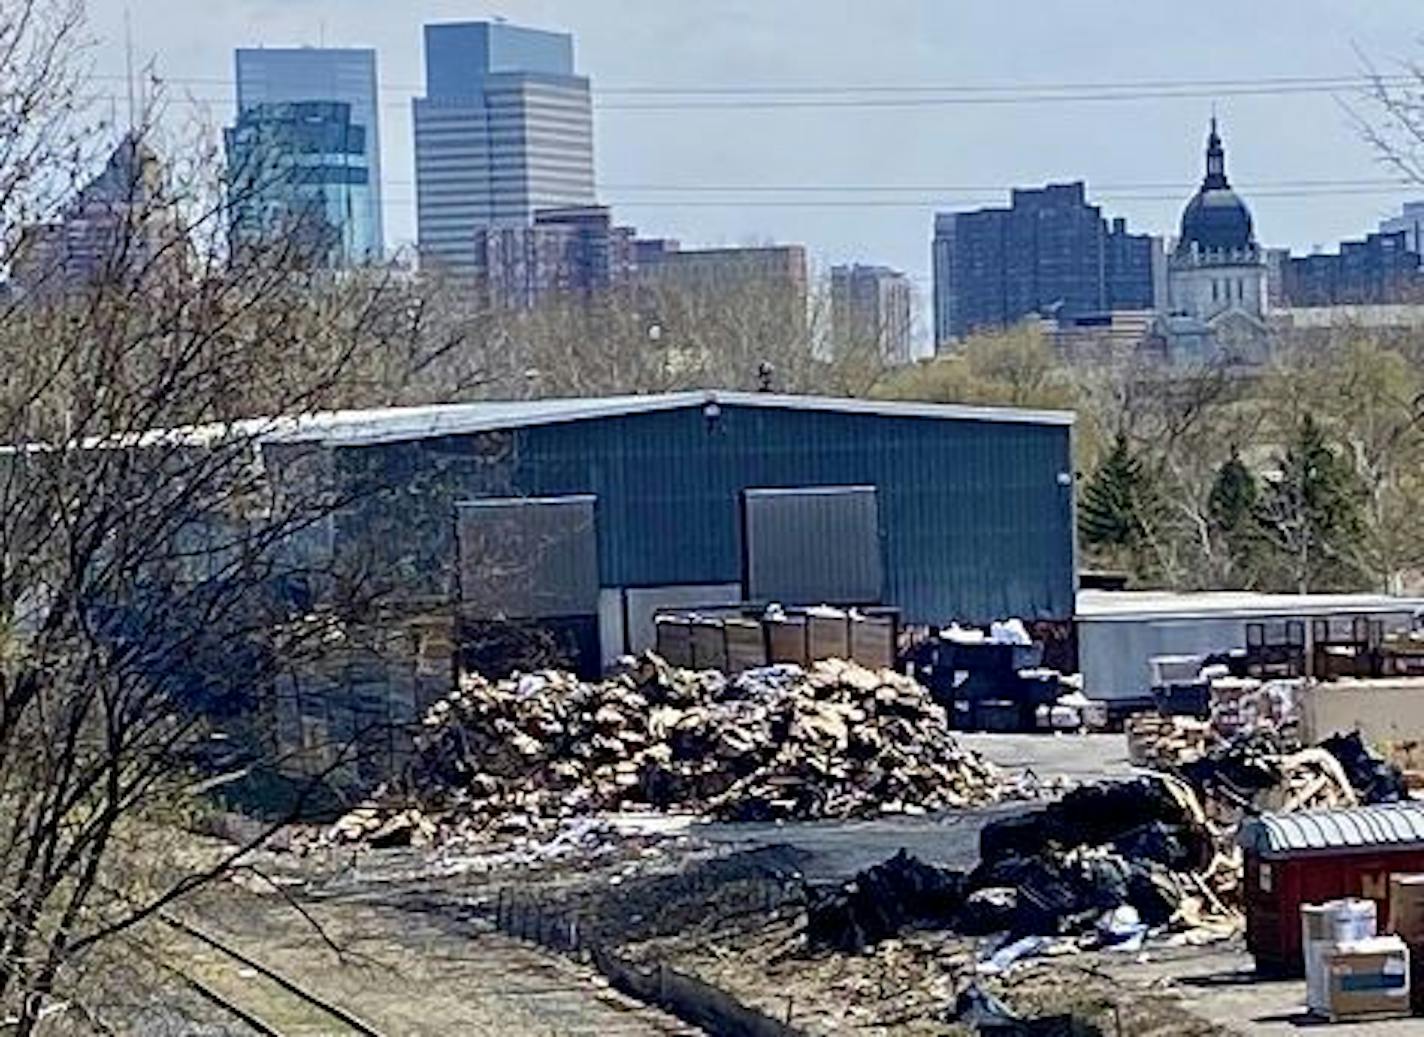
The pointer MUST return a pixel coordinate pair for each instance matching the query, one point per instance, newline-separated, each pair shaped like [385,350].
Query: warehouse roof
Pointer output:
[1128,606]
[395,424]
[1395,826]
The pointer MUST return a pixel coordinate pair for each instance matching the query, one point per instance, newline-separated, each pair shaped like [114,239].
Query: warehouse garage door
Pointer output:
[528,572]
[813,545]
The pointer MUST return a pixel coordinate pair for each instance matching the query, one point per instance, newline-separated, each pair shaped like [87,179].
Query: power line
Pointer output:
[943,203]
[1245,186]
[954,101]
[812,89]
[745,98]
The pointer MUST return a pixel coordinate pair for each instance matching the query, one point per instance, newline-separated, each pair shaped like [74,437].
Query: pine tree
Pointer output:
[1311,513]
[1112,511]
[1233,510]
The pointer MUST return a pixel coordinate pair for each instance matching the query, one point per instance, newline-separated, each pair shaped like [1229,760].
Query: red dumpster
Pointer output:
[1317,855]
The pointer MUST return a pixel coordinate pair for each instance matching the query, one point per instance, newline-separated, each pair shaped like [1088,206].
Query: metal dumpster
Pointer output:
[1318,855]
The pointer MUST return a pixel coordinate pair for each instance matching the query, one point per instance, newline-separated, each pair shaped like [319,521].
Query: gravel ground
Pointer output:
[409,972]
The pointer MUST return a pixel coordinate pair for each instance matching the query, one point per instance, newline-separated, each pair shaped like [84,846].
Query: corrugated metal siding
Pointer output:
[813,546]
[1358,828]
[976,523]
[528,558]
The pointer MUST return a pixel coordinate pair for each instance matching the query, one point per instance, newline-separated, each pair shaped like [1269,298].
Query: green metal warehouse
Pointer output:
[604,511]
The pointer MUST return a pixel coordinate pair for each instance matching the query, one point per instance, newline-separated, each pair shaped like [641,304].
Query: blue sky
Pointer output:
[885,169]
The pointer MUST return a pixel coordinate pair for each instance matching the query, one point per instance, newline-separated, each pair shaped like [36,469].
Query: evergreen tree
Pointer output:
[1232,507]
[1311,513]
[1112,512]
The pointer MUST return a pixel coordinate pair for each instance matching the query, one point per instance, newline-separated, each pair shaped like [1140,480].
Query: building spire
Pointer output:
[1215,160]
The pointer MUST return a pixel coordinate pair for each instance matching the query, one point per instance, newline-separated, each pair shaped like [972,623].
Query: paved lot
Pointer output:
[838,849]
[1217,985]
[1074,757]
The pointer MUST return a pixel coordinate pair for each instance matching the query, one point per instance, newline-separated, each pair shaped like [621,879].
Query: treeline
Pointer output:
[1303,476]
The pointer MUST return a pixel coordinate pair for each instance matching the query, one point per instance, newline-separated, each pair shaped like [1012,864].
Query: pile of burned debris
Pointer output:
[834,740]
[1107,863]
[1111,861]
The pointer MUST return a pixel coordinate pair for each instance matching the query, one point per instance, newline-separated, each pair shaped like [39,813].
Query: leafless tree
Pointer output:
[152,573]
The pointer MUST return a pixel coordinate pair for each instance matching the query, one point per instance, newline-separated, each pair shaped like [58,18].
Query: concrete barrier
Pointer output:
[1384,711]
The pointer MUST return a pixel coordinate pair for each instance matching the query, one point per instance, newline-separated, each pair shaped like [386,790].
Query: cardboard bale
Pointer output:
[872,643]
[709,645]
[746,645]
[786,640]
[828,635]
[674,640]
[1367,979]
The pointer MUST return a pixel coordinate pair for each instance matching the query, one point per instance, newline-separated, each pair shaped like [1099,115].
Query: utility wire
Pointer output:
[1345,80]
[687,99]
[1173,185]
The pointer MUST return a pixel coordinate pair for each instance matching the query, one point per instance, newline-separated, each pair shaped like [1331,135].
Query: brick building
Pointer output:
[1049,252]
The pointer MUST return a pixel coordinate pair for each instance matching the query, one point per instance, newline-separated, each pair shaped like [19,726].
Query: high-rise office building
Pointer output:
[871,307]
[505,128]
[298,178]
[577,251]
[118,225]
[1049,252]
[290,75]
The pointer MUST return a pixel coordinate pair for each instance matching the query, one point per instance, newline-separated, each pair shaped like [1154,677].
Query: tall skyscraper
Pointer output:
[297,177]
[505,128]
[117,225]
[1050,251]
[292,75]
[871,307]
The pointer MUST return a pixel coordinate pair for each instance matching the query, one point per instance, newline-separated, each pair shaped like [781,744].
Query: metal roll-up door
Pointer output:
[809,545]
[528,557]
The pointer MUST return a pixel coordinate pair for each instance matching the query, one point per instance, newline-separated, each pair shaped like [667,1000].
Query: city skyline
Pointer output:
[659,156]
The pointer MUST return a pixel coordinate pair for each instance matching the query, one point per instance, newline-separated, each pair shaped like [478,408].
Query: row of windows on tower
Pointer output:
[1221,291]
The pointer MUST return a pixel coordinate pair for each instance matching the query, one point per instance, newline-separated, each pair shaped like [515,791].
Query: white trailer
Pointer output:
[1119,632]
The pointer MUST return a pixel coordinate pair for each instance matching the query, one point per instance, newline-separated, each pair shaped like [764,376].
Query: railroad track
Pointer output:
[288,1008]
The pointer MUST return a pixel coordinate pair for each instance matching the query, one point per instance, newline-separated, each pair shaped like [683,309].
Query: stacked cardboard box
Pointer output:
[1367,979]
[1406,920]
[1350,971]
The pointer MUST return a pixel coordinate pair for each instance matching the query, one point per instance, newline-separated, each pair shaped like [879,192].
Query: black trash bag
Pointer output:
[1239,771]
[882,901]
[1090,815]
[1156,841]
[1096,814]
[989,910]
[1055,897]
[975,1006]
[1156,892]
[1374,779]
[1022,835]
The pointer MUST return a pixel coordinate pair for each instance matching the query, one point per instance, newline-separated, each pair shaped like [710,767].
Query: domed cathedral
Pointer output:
[1216,274]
